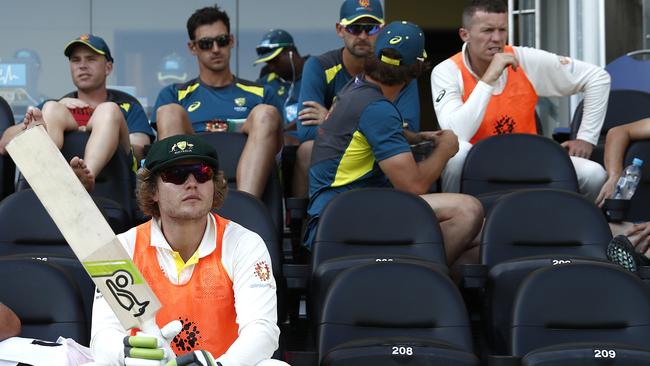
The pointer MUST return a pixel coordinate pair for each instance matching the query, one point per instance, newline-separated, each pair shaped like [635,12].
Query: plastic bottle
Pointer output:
[629,181]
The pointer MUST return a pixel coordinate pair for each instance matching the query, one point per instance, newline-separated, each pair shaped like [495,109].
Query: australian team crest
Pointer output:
[84,37]
[240,102]
[181,146]
[364,3]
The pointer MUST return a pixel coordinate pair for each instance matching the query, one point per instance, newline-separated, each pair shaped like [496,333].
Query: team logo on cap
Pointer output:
[84,37]
[395,40]
[364,3]
[262,271]
[181,146]
[240,102]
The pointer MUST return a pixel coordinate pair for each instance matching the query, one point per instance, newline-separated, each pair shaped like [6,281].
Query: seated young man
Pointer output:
[114,119]
[218,101]
[211,274]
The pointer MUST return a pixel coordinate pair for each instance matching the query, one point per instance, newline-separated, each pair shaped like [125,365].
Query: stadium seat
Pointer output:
[76,272]
[25,226]
[116,182]
[528,230]
[624,106]
[7,166]
[229,146]
[504,163]
[639,208]
[581,314]
[630,71]
[369,225]
[406,313]
[46,300]
[246,210]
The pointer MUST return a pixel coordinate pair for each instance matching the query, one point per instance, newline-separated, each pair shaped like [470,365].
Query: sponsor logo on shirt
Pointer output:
[263,271]
[441,95]
[194,106]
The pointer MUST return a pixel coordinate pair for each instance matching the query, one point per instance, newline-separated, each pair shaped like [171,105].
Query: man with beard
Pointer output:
[325,75]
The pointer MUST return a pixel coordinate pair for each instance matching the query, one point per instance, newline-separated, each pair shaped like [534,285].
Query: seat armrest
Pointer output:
[474,276]
[494,360]
[297,275]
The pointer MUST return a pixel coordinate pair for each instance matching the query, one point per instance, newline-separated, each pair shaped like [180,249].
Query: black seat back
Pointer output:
[623,106]
[75,271]
[246,210]
[229,146]
[26,227]
[504,163]
[528,230]
[116,181]
[594,302]
[393,300]
[45,299]
[369,225]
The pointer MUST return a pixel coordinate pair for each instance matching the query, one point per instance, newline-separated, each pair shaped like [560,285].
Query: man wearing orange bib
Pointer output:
[489,88]
[211,274]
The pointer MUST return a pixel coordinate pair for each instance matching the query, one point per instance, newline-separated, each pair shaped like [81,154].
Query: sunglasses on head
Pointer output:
[263,50]
[358,28]
[206,43]
[178,174]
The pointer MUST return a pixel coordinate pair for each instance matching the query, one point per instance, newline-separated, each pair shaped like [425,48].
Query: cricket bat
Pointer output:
[84,228]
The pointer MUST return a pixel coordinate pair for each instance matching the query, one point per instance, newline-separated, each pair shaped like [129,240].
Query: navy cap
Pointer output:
[404,37]
[95,43]
[353,10]
[272,44]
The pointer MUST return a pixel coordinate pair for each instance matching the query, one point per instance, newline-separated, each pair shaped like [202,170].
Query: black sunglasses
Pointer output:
[358,28]
[178,174]
[206,43]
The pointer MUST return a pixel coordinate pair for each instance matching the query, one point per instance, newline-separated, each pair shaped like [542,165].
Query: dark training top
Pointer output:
[323,77]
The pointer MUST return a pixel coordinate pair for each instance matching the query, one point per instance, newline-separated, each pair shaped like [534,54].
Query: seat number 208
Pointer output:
[402,351]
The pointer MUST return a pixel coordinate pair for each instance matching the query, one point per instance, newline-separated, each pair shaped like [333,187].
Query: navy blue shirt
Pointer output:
[208,107]
[287,93]
[323,77]
[136,119]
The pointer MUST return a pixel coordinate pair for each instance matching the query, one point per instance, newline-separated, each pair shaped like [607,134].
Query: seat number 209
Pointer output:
[604,353]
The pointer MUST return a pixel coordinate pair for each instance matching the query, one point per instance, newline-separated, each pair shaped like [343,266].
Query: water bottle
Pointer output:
[629,181]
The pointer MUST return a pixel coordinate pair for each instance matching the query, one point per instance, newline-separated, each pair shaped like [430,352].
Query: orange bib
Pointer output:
[512,111]
[205,305]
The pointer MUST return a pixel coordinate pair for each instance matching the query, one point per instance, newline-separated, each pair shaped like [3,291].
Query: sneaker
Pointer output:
[621,251]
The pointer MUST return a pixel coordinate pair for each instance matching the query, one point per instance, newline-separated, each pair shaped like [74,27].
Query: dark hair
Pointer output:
[488,6]
[390,74]
[206,16]
[147,186]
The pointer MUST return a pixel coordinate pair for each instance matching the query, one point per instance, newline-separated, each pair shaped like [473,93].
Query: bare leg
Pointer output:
[263,127]
[300,184]
[460,217]
[84,174]
[172,119]
[58,120]
[108,130]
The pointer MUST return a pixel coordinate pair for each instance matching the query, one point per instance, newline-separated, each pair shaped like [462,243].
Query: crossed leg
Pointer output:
[107,129]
